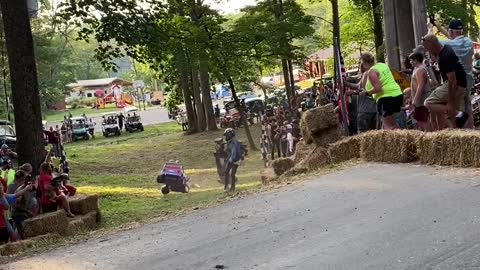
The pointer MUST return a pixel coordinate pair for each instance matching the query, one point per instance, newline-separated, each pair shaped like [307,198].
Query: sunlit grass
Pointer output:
[123,171]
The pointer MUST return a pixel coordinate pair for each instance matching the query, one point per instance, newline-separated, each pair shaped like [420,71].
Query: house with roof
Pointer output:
[88,88]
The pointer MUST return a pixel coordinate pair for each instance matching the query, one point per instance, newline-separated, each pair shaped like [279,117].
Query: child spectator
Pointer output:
[48,201]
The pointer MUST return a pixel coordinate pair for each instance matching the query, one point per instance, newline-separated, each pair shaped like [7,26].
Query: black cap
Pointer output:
[456,25]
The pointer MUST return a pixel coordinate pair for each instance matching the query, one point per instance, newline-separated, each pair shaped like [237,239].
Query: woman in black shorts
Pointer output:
[384,89]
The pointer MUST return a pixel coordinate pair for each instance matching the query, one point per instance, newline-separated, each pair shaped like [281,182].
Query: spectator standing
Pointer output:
[233,160]
[463,47]
[216,111]
[420,91]
[4,233]
[63,132]
[366,108]
[7,173]
[91,128]
[121,119]
[54,140]
[447,100]
[384,89]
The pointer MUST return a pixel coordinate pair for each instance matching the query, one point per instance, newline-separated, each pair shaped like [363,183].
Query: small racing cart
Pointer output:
[174,179]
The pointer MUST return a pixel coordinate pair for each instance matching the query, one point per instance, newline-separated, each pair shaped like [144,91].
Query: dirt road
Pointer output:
[369,217]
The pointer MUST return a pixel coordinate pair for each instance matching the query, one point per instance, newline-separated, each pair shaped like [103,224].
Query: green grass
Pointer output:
[123,171]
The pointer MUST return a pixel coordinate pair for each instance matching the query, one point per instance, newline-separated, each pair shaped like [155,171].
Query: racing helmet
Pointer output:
[229,133]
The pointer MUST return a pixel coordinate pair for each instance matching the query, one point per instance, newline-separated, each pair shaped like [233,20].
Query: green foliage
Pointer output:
[60,58]
[174,99]
[357,29]
[456,9]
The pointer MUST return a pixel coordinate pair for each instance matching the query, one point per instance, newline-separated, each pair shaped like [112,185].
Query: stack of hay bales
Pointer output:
[390,146]
[459,148]
[56,223]
[82,205]
[268,176]
[302,151]
[344,150]
[14,248]
[281,165]
[320,126]
[317,159]
[83,223]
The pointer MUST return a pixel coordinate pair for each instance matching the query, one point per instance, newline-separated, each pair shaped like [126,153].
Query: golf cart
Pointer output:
[110,125]
[174,178]
[80,129]
[132,120]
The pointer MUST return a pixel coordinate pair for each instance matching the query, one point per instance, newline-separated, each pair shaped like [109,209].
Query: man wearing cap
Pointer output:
[447,99]
[463,47]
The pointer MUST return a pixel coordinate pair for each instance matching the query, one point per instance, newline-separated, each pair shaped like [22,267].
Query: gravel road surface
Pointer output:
[372,216]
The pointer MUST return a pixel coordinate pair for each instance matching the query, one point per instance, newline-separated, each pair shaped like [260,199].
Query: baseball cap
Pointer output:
[456,25]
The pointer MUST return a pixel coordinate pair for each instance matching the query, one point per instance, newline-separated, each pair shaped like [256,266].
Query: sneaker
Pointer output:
[461,121]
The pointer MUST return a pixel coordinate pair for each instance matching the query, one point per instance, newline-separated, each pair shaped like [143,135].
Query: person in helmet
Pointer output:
[6,153]
[234,157]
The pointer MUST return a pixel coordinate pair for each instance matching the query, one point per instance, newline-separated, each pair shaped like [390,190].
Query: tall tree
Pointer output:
[24,84]
[271,27]
[375,9]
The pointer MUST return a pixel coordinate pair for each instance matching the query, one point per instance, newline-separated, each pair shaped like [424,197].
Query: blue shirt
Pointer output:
[463,47]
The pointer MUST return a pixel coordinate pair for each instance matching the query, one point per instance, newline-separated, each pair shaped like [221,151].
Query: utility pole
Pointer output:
[406,37]
[391,36]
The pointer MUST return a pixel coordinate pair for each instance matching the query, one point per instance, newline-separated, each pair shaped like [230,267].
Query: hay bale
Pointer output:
[327,137]
[281,165]
[82,205]
[268,175]
[56,222]
[391,146]
[317,160]
[345,149]
[306,135]
[15,248]
[302,151]
[459,148]
[321,118]
[297,170]
[82,223]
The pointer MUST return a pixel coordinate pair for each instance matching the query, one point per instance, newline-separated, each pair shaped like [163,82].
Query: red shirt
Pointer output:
[44,183]
[4,185]
[2,217]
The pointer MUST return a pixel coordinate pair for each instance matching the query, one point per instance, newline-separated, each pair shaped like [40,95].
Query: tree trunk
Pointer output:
[378,30]
[244,119]
[286,77]
[23,73]
[201,123]
[184,82]
[292,78]
[207,98]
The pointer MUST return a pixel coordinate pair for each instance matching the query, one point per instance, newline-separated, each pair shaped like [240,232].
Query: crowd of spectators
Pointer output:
[24,194]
